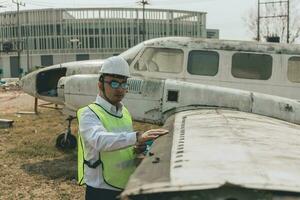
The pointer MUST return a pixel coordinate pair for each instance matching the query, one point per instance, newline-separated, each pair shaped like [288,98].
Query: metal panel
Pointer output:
[212,148]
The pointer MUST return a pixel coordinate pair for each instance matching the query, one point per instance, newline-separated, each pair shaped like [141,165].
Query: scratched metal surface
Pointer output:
[216,147]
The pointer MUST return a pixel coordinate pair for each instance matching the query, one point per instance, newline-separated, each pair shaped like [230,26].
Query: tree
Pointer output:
[275,26]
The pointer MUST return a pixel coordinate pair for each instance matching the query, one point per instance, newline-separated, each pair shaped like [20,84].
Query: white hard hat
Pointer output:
[115,65]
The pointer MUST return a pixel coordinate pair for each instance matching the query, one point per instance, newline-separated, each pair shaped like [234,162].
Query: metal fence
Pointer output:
[96,29]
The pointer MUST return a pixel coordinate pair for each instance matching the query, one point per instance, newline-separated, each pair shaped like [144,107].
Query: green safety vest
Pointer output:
[117,166]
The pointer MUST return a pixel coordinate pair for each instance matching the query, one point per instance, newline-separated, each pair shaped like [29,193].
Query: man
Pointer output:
[106,141]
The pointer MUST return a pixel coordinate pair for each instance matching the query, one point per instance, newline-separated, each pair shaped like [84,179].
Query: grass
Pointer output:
[30,165]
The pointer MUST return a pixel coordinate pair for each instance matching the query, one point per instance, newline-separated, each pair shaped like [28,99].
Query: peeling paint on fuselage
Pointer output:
[227,45]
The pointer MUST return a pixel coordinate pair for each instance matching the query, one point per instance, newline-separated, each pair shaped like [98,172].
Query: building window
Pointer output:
[14,66]
[205,63]
[251,66]
[46,60]
[294,69]
[80,57]
[160,60]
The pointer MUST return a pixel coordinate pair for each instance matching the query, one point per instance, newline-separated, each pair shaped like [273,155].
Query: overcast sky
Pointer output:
[225,15]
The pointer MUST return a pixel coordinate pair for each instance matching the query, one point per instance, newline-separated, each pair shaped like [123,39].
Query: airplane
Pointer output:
[259,67]
[268,68]
[224,143]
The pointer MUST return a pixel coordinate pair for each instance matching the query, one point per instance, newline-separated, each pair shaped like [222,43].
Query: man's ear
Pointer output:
[100,86]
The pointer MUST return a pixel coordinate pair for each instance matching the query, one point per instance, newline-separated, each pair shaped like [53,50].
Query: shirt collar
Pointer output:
[115,110]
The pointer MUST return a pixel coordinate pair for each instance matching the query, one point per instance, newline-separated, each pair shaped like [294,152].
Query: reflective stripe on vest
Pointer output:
[117,166]
[80,151]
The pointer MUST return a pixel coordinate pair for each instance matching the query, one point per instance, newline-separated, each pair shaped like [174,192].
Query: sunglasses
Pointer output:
[115,84]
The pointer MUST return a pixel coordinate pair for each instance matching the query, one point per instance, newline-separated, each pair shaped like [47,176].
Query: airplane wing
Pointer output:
[221,154]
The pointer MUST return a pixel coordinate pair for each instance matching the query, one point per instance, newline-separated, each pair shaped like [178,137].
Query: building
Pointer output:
[52,36]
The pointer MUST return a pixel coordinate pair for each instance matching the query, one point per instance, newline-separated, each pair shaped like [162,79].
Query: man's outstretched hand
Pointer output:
[151,134]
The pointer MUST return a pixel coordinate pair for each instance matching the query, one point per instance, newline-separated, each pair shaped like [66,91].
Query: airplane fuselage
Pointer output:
[259,67]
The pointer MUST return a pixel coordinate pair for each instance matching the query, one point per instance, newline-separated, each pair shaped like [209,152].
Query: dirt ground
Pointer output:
[30,165]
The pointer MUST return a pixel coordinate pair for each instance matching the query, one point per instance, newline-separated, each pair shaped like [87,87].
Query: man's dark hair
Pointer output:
[101,77]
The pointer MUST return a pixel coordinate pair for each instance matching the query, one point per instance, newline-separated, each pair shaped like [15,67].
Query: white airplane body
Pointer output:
[221,63]
[224,143]
[152,99]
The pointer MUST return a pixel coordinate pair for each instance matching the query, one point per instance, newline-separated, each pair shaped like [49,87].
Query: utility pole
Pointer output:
[285,15]
[144,2]
[1,24]
[288,22]
[19,32]
[258,20]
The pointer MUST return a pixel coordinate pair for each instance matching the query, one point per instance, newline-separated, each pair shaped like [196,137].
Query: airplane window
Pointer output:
[251,66]
[140,65]
[294,69]
[204,63]
[160,60]
[131,53]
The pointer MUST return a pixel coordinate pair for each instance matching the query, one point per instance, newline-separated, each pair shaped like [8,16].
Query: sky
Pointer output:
[226,15]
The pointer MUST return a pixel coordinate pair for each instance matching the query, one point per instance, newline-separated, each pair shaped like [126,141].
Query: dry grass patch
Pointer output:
[30,165]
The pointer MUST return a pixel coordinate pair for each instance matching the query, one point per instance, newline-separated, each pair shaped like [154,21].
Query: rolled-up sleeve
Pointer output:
[95,135]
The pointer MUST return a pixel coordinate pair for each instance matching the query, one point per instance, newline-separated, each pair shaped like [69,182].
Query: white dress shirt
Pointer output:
[96,138]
